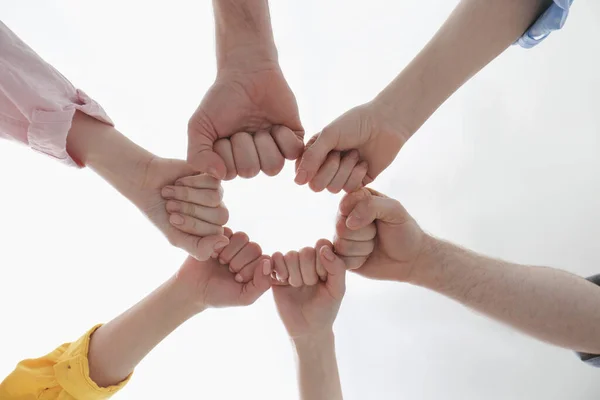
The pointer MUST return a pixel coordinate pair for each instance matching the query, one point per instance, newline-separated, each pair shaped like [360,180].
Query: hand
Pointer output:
[365,128]
[398,242]
[310,309]
[247,122]
[185,228]
[212,285]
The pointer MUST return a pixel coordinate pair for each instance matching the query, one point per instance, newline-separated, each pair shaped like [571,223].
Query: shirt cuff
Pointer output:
[72,372]
[551,20]
[48,130]
[591,359]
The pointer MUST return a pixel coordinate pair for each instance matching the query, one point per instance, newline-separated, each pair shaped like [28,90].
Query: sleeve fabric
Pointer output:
[552,19]
[63,374]
[37,103]
[591,359]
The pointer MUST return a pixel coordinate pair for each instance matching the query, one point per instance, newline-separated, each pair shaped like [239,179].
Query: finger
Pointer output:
[203,197]
[228,232]
[245,274]
[279,267]
[271,160]
[308,268]
[321,271]
[246,255]
[357,176]
[344,171]
[213,215]
[245,155]
[342,231]
[375,207]
[350,248]
[326,172]
[292,262]
[224,149]
[350,200]
[260,283]
[236,243]
[201,248]
[290,143]
[194,226]
[201,181]
[353,262]
[206,160]
[314,156]
[336,272]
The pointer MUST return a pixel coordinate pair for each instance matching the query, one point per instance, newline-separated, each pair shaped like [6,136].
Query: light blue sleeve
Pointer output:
[551,20]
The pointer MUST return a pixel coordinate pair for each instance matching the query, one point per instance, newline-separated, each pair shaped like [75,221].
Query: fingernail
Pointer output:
[219,245]
[238,278]
[300,177]
[353,221]
[168,192]
[266,267]
[214,255]
[230,269]
[327,253]
[176,219]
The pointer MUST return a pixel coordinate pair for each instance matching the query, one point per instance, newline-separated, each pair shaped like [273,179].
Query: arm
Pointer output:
[546,303]
[101,362]
[474,34]
[308,307]
[316,363]
[243,32]
[552,305]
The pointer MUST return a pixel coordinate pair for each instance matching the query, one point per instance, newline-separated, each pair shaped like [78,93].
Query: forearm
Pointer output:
[318,375]
[109,153]
[476,32]
[243,32]
[549,304]
[117,347]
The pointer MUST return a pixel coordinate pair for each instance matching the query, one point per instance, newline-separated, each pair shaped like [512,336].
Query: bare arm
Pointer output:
[318,376]
[117,347]
[476,32]
[552,305]
[243,32]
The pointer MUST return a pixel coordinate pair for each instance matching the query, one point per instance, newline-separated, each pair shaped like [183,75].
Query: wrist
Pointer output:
[243,32]
[316,341]
[429,264]
[109,153]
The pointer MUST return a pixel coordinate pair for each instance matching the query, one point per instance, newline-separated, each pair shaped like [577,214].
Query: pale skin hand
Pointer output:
[117,347]
[549,304]
[381,127]
[140,176]
[308,313]
[248,121]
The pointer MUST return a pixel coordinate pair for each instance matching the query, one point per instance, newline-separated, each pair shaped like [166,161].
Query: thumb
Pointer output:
[209,162]
[314,156]
[260,283]
[374,207]
[201,248]
[336,271]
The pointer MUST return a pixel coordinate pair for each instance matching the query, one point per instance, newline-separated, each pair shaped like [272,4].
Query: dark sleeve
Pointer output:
[591,359]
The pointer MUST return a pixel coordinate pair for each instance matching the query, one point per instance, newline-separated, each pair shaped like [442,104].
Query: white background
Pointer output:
[508,166]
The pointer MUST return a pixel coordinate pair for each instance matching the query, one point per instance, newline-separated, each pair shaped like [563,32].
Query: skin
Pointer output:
[146,180]
[379,128]
[118,346]
[546,303]
[308,312]
[248,120]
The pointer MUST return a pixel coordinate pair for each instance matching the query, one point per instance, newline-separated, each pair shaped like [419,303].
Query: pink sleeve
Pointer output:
[37,103]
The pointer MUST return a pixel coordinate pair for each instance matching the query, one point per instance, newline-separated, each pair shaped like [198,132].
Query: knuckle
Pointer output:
[223,216]
[241,236]
[255,248]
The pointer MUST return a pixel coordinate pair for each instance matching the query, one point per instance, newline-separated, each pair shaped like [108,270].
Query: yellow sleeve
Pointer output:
[63,374]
